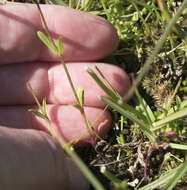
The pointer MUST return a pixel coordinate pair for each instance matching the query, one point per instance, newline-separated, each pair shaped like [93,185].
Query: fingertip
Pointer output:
[86,37]
[109,41]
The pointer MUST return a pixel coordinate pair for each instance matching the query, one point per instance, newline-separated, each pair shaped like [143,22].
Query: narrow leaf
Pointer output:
[179,173]
[178,146]
[80,94]
[145,107]
[77,106]
[47,42]
[115,97]
[144,126]
[93,129]
[173,109]
[107,82]
[34,96]
[37,113]
[59,2]
[44,107]
[162,180]
[60,46]
[170,118]
[102,85]
[183,104]
[138,114]
[142,4]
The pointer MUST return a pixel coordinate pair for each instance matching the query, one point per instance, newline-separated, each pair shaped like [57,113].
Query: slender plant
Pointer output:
[79,96]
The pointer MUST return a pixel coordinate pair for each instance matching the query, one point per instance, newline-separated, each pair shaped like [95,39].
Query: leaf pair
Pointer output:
[80,95]
[57,50]
[43,108]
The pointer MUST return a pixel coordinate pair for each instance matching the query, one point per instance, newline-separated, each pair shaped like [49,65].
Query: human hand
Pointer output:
[32,159]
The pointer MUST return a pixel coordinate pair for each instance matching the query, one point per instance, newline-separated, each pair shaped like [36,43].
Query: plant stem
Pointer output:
[75,94]
[70,151]
[70,80]
[66,70]
[45,24]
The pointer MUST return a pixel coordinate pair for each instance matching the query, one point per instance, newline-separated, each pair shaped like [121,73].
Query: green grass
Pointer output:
[148,143]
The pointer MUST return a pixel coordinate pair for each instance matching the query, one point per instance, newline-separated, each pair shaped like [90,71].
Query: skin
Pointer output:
[30,158]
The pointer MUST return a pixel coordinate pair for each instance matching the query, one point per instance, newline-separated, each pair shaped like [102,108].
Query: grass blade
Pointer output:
[77,106]
[80,94]
[138,114]
[102,85]
[107,82]
[44,107]
[144,126]
[178,146]
[142,4]
[59,2]
[178,174]
[113,94]
[37,113]
[60,46]
[170,118]
[34,96]
[162,180]
[145,107]
[72,3]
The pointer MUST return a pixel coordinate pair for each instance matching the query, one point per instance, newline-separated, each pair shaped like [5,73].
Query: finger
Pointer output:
[65,119]
[86,37]
[78,182]
[49,80]
[31,160]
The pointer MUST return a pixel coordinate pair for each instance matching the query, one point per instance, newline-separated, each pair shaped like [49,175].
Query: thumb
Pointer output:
[32,160]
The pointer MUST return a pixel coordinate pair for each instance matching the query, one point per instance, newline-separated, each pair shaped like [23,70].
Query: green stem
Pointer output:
[75,94]
[94,181]
[86,122]
[70,80]
[45,24]
[65,69]
[70,151]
